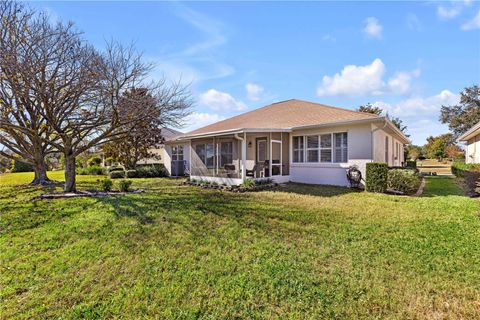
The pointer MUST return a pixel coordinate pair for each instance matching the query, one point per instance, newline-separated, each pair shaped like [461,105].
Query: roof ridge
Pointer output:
[338,108]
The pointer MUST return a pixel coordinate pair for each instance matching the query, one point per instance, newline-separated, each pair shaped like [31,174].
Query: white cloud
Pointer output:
[254,91]
[413,22]
[365,80]
[472,24]
[373,28]
[329,37]
[421,114]
[448,13]
[198,119]
[221,101]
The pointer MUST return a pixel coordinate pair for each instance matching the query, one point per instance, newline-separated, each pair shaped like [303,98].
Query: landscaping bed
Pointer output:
[248,186]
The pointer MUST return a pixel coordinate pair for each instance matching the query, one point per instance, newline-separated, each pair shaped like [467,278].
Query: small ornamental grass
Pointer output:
[107,184]
[124,185]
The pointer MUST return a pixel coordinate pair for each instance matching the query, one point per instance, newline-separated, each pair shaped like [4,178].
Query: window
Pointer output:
[341,147]
[312,148]
[298,149]
[386,149]
[210,155]
[326,148]
[226,153]
[177,153]
[200,151]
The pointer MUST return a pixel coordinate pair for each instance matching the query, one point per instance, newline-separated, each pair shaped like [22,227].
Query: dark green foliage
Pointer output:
[406,181]
[115,169]
[412,164]
[151,171]
[117,174]
[464,115]
[94,161]
[377,175]
[459,169]
[124,185]
[20,166]
[107,184]
[131,173]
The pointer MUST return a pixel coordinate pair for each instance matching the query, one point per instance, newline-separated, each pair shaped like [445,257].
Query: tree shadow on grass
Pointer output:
[317,190]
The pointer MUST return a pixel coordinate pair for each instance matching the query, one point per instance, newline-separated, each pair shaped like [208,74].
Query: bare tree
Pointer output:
[24,132]
[167,107]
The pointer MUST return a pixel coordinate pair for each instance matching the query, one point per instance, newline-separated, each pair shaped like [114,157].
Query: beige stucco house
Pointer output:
[472,140]
[292,140]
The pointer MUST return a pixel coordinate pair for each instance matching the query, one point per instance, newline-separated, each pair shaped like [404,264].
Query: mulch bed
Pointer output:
[86,193]
[240,188]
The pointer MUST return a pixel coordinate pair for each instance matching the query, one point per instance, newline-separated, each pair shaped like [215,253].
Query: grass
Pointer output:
[184,252]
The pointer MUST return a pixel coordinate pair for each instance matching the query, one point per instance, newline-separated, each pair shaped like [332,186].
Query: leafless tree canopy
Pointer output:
[61,92]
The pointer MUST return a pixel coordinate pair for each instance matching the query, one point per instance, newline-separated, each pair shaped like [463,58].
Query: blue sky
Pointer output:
[407,57]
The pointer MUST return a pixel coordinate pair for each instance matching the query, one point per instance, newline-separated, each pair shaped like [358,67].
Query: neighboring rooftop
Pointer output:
[286,115]
[472,132]
[170,134]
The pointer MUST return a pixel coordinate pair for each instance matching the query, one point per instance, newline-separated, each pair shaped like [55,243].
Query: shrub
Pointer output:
[412,164]
[107,184]
[377,175]
[92,170]
[124,185]
[131,173]
[265,181]
[117,174]
[94,161]
[20,166]
[459,169]
[109,161]
[249,183]
[406,181]
[151,171]
[115,169]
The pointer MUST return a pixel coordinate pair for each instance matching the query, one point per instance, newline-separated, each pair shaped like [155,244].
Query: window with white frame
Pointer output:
[326,147]
[298,149]
[177,153]
[341,147]
[312,148]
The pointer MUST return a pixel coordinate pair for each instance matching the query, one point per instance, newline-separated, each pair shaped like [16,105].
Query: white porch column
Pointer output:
[244,157]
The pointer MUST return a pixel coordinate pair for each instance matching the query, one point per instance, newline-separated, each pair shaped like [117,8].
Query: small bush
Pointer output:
[377,175]
[20,166]
[131,173]
[151,171]
[406,181]
[262,182]
[412,164]
[117,174]
[249,183]
[107,184]
[92,170]
[124,185]
[112,169]
[94,161]
[459,169]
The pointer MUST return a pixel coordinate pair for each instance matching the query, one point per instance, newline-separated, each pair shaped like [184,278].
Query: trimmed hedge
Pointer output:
[115,169]
[412,164]
[94,161]
[92,170]
[20,166]
[151,171]
[131,173]
[405,181]
[117,174]
[459,169]
[377,177]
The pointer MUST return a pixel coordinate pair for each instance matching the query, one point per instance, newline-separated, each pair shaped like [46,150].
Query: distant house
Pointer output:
[292,140]
[472,139]
[161,155]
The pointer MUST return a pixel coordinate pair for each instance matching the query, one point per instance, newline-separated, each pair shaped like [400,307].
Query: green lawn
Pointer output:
[183,252]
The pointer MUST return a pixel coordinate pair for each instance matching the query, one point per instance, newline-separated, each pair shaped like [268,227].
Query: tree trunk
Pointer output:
[40,169]
[70,183]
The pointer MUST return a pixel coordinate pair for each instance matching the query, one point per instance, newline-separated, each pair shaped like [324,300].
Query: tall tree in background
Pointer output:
[399,124]
[24,132]
[369,108]
[463,116]
[436,147]
[167,108]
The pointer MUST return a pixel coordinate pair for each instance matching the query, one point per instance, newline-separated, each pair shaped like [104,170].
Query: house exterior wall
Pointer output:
[396,155]
[472,150]
[359,139]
